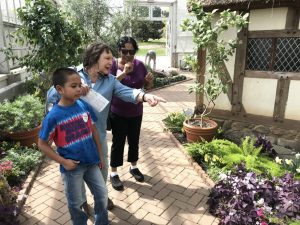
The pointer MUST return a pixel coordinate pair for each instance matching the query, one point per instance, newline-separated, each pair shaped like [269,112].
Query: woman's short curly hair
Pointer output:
[92,54]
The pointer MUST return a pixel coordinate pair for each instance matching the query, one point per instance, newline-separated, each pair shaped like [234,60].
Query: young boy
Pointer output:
[70,125]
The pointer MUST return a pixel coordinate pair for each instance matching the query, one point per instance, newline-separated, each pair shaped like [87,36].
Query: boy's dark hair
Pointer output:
[60,75]
[123,40]
[93,52]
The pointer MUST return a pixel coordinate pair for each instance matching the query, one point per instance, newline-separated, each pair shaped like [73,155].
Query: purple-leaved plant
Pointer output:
[266,145]
[241,198]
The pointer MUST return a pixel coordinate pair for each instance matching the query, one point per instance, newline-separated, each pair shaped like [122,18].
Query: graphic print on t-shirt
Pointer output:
[73,130]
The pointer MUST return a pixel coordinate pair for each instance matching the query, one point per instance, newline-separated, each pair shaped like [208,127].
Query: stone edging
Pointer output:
[195,165]
[27,185]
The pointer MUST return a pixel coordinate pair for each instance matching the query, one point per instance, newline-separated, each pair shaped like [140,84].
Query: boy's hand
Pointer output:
[102,162]
[70,164]
[101,165]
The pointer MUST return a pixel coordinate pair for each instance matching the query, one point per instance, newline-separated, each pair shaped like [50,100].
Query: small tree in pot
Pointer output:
[207,35]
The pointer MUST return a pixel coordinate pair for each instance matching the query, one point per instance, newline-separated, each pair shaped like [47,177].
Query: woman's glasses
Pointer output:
[126,51]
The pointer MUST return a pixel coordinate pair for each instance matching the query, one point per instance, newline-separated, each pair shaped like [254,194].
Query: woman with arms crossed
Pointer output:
[126,117]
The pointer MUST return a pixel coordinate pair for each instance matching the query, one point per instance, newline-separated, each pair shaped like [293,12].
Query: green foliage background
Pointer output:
[144,30]
[53,40]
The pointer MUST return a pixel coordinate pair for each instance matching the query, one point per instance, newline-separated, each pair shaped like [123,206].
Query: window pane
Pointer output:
[17,4]
[165,12]
[287,55]
[143,11]
[4,10]
[259,54]
[156,11]
[11,11]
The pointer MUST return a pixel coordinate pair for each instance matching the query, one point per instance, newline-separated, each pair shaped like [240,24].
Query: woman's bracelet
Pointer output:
[143,98]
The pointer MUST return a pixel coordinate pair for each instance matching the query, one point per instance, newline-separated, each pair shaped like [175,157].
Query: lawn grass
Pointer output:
[159,46]
[159,51]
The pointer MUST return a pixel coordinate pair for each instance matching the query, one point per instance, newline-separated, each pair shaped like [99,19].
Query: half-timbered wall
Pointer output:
[271,92]
[259,93]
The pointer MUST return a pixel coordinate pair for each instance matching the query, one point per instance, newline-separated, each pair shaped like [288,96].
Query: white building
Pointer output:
[178,42]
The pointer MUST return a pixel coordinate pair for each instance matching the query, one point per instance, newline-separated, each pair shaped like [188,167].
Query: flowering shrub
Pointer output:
[18,161]
[6,167]
[244,198]
[8,209]
[15,164]
[292,165]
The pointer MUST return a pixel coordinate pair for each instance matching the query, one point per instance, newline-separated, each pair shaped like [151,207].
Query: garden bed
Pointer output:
[250,184]
[18,168]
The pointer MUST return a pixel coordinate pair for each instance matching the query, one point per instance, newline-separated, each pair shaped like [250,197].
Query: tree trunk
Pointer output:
[201,61]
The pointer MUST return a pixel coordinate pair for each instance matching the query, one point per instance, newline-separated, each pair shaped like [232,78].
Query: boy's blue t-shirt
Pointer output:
[70,127]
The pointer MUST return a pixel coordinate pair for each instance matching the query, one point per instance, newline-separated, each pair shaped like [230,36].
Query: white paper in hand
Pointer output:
[96,100]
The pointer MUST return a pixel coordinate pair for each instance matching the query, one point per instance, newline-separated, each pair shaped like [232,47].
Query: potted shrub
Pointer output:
[207,33]
[20,119]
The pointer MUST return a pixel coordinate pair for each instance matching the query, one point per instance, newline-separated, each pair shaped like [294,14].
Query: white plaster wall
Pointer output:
[267,19]
[223,102]
[293,104]
[259,96]
[229,35]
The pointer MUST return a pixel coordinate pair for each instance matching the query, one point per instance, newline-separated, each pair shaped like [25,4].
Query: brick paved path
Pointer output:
[173,193]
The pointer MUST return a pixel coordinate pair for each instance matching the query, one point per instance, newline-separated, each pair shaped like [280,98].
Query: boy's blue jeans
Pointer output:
[73,184]
[104,171]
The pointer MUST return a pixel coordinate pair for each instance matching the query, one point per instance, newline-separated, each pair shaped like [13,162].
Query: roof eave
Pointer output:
[245,6]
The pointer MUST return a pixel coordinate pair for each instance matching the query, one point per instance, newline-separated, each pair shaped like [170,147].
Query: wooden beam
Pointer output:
[239,71]
[210,5]
[278,100]
[284,99]
[226,79]
[274,33]
[292,18]
[272,75]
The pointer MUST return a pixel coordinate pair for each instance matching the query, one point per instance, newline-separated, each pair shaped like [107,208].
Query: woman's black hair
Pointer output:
[126,39]
[60,75]
[92,54]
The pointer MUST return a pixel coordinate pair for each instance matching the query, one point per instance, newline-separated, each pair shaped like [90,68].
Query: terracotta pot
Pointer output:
[26,138]
[197,133]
